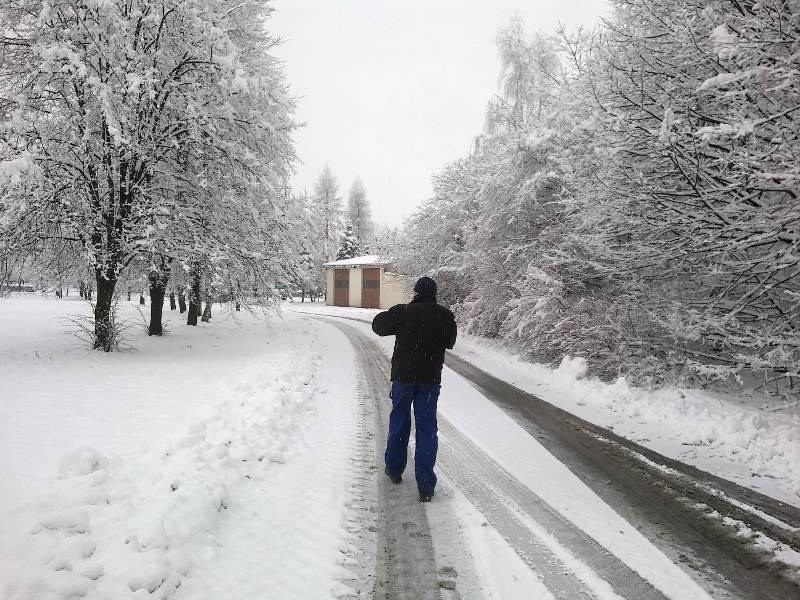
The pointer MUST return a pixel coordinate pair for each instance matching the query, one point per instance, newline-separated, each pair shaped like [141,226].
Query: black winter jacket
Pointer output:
[424,330]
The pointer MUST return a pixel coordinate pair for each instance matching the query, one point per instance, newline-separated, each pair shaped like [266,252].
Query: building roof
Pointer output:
[359,261]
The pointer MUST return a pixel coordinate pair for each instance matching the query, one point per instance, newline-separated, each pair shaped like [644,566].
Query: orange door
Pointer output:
[341,291]
[371,288]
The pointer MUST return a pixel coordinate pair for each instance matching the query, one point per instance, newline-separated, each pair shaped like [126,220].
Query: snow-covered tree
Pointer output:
[120,121]
[327,209]
[309,279]
[694,107]
[349,245]
[359,213]
[477,234]
[387,241]
[529,79]
[638,205]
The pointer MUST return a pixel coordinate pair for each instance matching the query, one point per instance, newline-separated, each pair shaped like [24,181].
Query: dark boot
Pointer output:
[425,496]
[393,478]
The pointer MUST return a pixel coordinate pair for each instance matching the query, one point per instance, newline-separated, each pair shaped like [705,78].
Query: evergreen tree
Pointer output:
[349,247]
[327,210]
[359,214]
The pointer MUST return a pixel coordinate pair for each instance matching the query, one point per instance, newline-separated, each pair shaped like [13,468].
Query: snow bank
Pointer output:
[572,368]
[730,436]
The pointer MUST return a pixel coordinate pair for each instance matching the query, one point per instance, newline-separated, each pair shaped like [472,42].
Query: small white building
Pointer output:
[364,282]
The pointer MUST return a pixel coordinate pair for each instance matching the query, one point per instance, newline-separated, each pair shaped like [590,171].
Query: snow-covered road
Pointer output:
[242,459]
[571,480]
[564,561]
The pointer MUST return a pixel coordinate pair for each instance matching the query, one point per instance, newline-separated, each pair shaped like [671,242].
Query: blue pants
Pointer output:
[424,397]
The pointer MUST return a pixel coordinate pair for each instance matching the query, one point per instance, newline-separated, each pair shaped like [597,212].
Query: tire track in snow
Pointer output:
[670,502]
[405,564]
[449,582]
[571,563]
[356,578]
[568,566]
[692,516]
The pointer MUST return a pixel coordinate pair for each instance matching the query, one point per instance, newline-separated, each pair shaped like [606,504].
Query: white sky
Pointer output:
[392,90]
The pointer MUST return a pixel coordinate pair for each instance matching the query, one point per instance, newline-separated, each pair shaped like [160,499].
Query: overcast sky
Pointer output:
[392,90]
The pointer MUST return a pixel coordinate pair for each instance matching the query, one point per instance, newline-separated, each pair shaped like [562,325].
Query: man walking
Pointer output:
[423,331]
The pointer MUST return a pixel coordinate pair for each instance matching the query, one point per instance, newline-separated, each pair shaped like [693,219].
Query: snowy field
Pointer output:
[211,458]
[747,439]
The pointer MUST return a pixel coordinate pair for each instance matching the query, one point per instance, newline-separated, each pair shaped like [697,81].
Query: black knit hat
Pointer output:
[425,286]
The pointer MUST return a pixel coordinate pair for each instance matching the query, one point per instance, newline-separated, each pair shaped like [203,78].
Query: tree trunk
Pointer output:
[207,311]
[158,287]
[172,300]
[182,303]
[104,334]
[129,294]
[194,295]
[238,306]
[141,298]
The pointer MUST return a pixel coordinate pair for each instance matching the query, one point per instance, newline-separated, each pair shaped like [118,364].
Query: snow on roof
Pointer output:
[370,259]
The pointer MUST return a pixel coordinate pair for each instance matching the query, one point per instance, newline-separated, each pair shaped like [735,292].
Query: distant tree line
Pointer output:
[332,231]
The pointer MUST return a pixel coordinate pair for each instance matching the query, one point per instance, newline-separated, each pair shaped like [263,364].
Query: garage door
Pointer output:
[341,291]
[371,288]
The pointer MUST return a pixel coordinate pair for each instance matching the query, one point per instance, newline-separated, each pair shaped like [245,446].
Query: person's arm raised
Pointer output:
[387,322]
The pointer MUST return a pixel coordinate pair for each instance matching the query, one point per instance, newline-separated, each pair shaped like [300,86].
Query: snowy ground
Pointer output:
[472,430]
[228,461]
[210,459]
[738,437]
